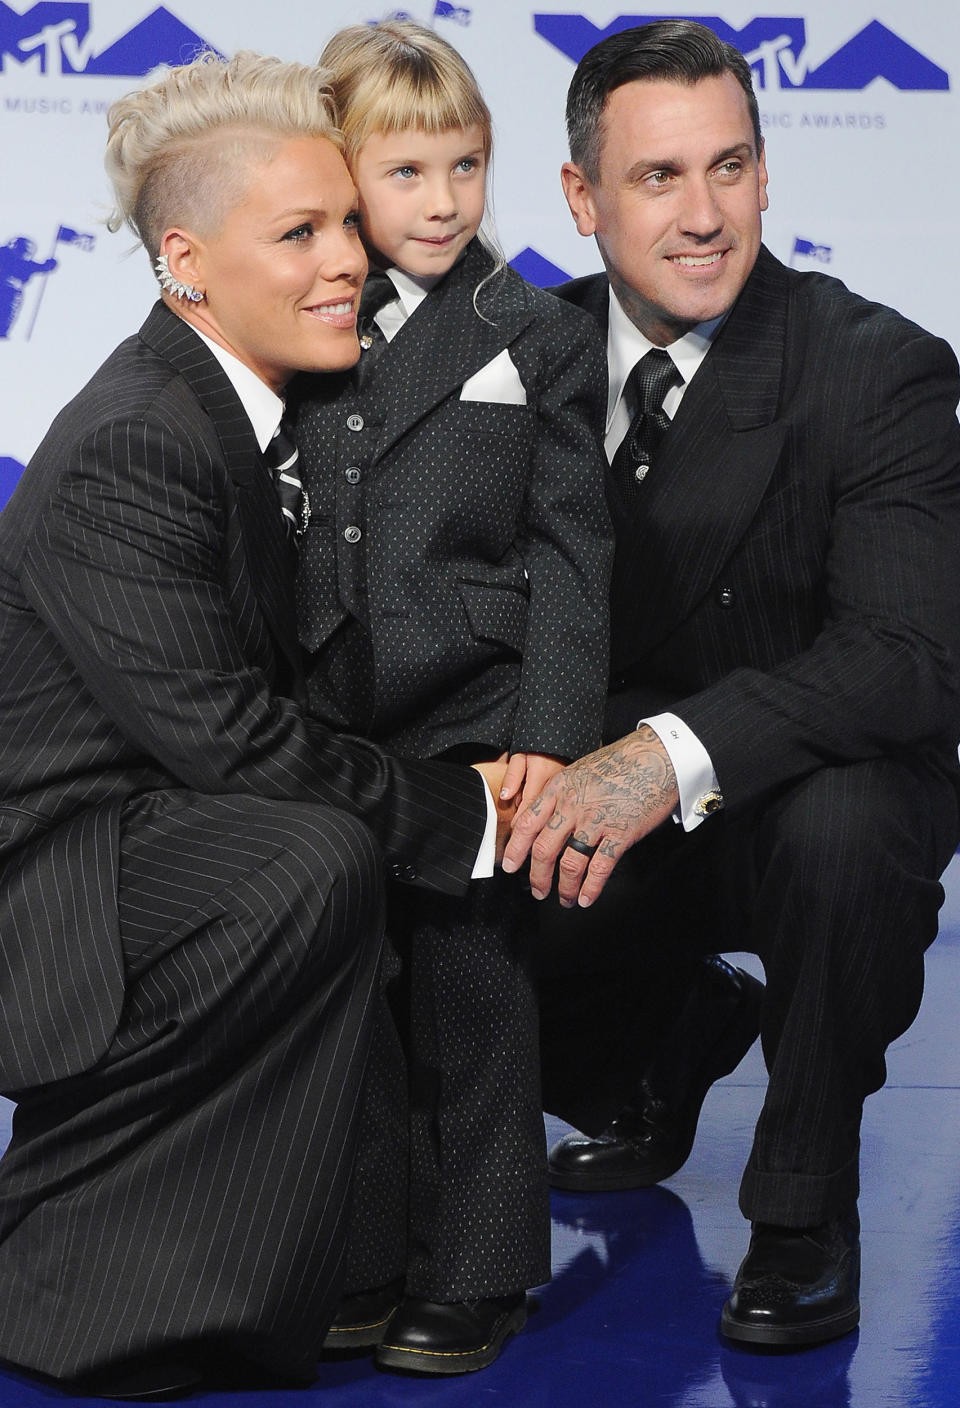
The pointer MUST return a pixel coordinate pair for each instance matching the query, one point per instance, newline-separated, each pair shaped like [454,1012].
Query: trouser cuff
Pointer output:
[799,1199]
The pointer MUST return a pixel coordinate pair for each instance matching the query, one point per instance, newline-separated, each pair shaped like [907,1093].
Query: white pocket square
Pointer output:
[498,381]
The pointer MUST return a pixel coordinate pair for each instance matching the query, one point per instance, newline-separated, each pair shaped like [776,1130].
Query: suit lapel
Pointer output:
[445,341]
[713,469]
[591,293]
[265,542]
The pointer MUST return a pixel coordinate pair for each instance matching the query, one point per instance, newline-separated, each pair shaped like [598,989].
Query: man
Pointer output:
[786,638]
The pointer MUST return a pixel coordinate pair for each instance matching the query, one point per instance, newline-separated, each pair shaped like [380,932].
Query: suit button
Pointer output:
[354,422]
[352,475]
[403,872]
[725,596]
[352,534]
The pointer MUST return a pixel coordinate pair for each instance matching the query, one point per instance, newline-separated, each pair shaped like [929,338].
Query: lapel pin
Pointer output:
[304,514]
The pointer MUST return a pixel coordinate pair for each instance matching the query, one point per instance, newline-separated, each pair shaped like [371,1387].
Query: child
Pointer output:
[452,599]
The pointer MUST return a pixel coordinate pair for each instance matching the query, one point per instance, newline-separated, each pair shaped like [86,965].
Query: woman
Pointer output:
[190,893]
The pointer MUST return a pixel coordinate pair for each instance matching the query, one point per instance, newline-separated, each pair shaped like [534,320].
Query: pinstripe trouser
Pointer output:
[834,882]
[191,1188]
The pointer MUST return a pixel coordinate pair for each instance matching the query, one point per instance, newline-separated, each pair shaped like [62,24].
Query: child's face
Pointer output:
[421,196]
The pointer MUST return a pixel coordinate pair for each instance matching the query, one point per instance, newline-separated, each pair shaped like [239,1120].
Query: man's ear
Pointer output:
[579,193]
[762,177]
[184,257]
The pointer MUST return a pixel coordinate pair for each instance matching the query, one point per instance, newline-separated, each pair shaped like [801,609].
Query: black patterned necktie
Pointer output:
[649,383]
[282,460]
[378,291]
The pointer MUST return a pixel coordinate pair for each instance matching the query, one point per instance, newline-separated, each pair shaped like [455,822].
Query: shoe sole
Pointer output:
[615,1183]
[816,1332]
[358,1336]
[423,1361]
[729,1054]
[150,1382]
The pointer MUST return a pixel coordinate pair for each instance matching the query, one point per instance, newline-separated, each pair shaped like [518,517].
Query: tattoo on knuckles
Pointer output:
[612,793]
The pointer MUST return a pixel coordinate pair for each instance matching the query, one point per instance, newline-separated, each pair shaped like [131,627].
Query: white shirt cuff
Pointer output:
[696,780]
[483,866]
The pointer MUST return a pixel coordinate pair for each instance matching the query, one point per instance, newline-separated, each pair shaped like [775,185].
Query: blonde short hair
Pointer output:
[392,76]
[179,152]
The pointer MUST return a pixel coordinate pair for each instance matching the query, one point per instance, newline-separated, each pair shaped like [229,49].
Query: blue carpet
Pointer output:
[630,1318]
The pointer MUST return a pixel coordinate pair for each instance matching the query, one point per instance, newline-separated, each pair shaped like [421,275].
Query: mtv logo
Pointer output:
[806,249]
[53,37]
[776,50]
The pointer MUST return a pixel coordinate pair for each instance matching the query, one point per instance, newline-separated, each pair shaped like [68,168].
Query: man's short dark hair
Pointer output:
[680,51]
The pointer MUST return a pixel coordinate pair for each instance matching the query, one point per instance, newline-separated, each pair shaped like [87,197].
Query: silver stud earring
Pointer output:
[174,286]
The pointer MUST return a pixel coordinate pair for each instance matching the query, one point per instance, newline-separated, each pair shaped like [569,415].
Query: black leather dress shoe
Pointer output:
[796,1286]
[426,1337]
[142,1380]
[652,1138]
[362,1318]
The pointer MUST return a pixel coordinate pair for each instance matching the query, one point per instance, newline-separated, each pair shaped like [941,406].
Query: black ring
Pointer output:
[574,845]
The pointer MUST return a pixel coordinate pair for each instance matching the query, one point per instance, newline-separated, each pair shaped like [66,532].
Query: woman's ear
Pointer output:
[181,255]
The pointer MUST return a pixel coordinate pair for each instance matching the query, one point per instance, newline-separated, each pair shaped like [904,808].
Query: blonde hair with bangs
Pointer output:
[181,151]
[396,75]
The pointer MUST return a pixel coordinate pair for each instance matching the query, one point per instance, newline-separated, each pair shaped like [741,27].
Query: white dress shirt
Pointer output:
[265,409]
[499,381]
[696,778]
[411,291]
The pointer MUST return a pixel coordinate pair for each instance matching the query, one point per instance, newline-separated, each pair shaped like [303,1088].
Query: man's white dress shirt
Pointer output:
[696,778]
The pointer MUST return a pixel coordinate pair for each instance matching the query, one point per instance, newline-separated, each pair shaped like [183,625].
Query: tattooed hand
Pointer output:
[590,813]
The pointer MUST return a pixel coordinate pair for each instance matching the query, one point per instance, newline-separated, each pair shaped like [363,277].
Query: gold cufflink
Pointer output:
[710,802]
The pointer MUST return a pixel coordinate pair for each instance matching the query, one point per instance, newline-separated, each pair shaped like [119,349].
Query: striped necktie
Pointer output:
[282,460]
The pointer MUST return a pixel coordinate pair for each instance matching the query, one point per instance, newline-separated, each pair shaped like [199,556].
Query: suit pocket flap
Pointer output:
[489,418]
[496,613]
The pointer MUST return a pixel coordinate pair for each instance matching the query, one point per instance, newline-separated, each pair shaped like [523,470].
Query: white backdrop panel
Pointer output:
[858,97]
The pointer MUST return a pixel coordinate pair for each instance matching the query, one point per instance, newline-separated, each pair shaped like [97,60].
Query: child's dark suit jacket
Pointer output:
[469,535]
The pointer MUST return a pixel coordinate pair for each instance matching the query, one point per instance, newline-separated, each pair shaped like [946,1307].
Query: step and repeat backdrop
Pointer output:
[858,101]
